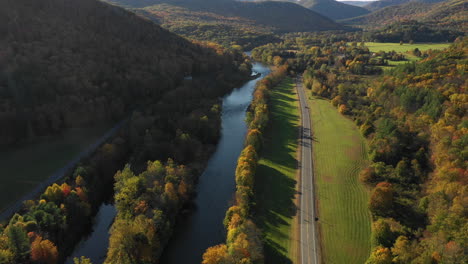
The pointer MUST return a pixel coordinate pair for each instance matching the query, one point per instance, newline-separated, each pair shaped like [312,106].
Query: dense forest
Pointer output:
[173,119]
[414,117]
[411,31]
[83,63]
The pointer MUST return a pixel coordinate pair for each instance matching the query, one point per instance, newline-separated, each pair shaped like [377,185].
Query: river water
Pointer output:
[203,227]
[95,245]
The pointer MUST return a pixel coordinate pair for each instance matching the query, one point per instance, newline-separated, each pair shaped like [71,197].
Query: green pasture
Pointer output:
[376,46]
[339,153]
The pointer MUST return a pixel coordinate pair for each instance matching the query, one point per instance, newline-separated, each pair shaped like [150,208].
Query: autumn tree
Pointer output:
[216,255]
[382,199]
[43,251]
[380,255]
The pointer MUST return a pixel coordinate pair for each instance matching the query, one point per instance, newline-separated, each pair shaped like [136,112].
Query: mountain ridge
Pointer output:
[334,9]
[282,16]
[445,15]
[374,6]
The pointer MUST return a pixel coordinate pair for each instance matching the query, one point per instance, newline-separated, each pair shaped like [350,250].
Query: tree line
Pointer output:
[244,239]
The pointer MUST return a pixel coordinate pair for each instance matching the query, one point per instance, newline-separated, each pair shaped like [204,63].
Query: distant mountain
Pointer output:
[330,8]
[333,9]
[357,3]
[384,3]
[279,16]
[451,15]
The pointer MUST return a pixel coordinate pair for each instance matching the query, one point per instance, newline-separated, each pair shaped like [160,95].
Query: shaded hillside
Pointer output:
[384,3]
[445,15]
[334,9]
[83,62]
[278,16]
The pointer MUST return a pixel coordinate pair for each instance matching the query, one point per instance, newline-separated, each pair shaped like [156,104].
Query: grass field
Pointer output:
[339,153]
[24,167]
[376,46]
[275,188]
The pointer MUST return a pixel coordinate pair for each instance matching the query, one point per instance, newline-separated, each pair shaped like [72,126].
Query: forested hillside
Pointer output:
[384,3]
[80,63]
[230,22]
[209,26]
[334,9]
[447,15]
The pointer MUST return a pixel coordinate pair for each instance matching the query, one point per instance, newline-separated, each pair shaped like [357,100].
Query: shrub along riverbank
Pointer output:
[244,240]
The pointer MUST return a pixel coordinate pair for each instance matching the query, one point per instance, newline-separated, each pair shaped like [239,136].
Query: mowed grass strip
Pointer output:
[275,187]
[339,153]
[385,46]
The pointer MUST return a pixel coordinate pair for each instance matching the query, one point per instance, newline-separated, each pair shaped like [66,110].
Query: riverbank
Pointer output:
[203,227]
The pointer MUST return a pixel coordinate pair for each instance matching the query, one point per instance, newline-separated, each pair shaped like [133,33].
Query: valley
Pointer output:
[141,131]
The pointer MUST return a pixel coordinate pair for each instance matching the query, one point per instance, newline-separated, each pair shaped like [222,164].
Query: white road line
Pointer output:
[307,224]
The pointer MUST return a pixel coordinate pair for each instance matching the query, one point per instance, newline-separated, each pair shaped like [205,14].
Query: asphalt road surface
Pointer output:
[309,247]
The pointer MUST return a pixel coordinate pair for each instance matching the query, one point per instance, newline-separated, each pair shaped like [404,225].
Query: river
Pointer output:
[95,245]
[203,227]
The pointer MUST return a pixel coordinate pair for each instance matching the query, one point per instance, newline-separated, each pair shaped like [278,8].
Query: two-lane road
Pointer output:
[309,247]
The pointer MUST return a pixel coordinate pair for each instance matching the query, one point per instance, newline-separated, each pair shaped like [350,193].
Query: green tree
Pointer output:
[381,233]
[402,250]
[18,242]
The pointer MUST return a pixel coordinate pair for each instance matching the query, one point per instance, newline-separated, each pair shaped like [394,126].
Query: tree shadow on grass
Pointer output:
[273,255]
[274,185]
[275,202]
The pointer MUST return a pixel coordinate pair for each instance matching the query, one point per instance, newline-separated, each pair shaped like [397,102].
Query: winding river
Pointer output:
[203,227]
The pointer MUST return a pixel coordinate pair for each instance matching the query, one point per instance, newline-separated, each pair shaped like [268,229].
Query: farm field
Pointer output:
[25,166]
[339,153]
[276,176]
[376,46]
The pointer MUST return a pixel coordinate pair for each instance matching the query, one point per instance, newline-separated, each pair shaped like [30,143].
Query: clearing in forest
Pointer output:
[339,153]
[275,187]
[386,46]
